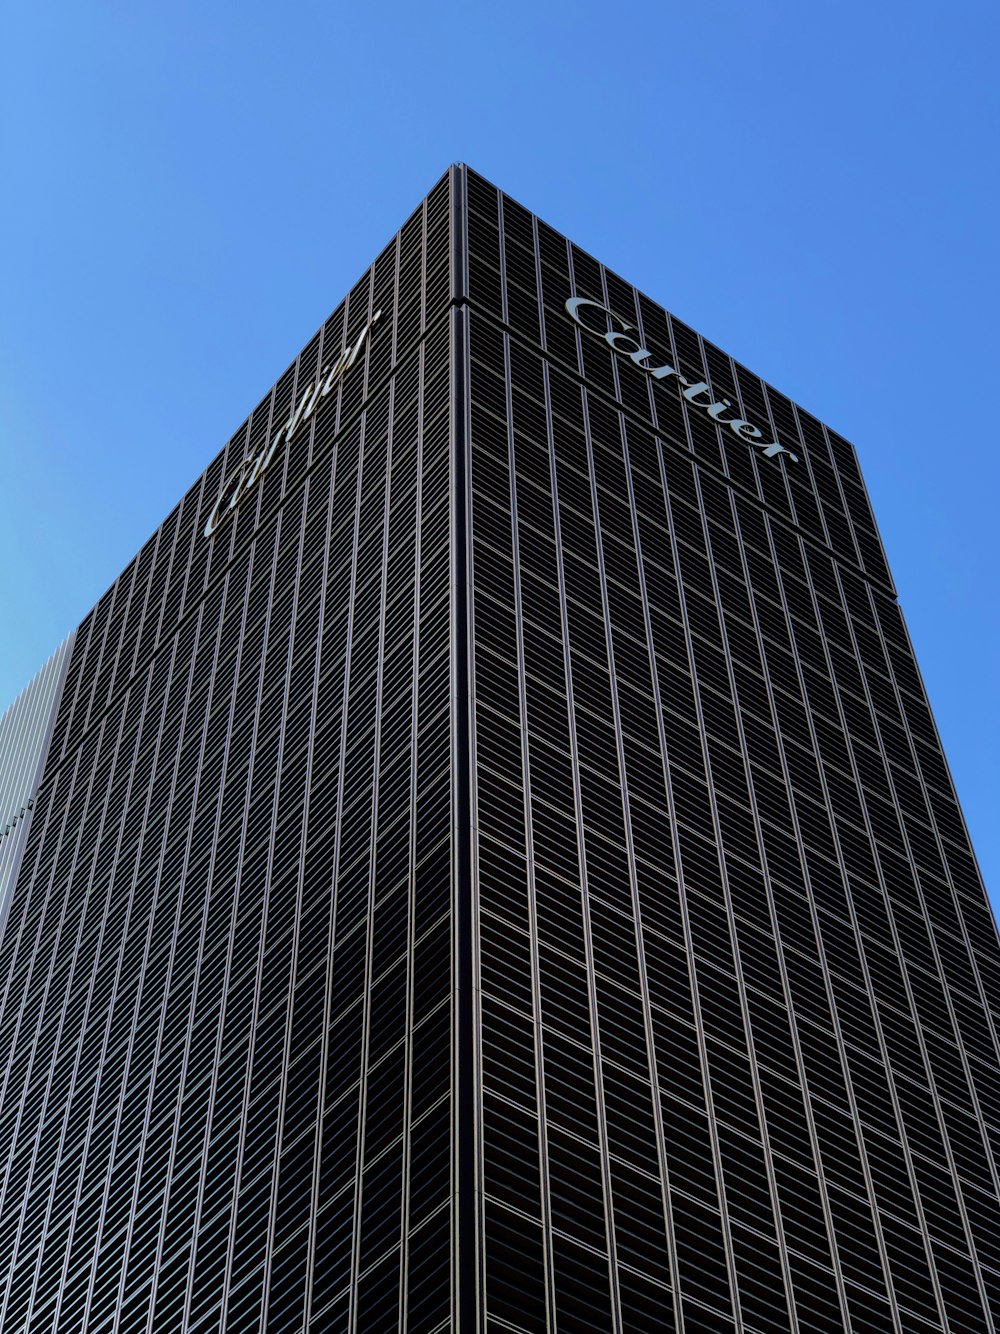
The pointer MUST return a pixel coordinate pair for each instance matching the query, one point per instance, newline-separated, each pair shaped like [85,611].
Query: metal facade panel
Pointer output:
[494,867]
[25,731]
[226,1022]
[739,1065]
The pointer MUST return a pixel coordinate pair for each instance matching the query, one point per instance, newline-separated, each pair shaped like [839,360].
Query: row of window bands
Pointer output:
[274,902]
[546,720]
[499,529]
[524,306]
[571,850]
[496,564]
[83,849]
[800,957]
[883,718]
[424,757]
[628,572]
[675,1162]
[111,642]
[436,970]
[871,546]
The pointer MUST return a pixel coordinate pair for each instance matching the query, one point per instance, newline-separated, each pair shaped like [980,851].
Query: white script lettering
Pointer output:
[699,394]
[250,470]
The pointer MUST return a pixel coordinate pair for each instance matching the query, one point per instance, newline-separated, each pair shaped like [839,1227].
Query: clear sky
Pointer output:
[188,190]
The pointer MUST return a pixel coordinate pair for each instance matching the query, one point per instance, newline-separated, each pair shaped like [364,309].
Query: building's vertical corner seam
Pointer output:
[466,1256]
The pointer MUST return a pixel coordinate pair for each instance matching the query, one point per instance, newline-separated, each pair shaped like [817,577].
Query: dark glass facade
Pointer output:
[503,875]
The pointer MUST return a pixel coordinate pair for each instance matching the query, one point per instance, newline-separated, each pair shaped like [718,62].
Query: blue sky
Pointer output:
[188,190]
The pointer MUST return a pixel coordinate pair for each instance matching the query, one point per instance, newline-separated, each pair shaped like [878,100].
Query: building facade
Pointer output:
[488,864]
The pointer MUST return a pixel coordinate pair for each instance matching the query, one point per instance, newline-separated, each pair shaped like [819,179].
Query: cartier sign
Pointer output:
[698,394]
[238,483]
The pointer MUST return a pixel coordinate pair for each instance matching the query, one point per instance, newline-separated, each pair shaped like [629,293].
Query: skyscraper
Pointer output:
[488,864]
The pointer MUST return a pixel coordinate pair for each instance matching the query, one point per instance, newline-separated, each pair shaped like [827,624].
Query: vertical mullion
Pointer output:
[342,743]
[404,1291]
[678,855]
[182,877]
[467,1204]
[551,1321]
[117,978]
[104,729]
[219,801]
[373,836]
[774,918]
[651,1058]
[154,897]
[551,1314]
[89,985]
[865,969]
[330,1016]
[283,521]
[914,1012]
[588,942]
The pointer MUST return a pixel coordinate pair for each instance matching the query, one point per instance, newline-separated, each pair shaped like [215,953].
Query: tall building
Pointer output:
[488,864]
